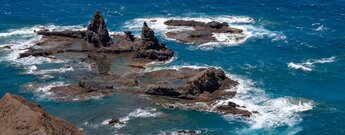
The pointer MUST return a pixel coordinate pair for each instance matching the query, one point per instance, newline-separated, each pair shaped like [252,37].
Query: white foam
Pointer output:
[320,27]
[33,70]
[224,39]
[272,112]
[43,90]
[298,66]
[138,113]
[309,64]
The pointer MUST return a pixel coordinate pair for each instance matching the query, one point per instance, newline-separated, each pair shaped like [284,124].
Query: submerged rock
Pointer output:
[115,122]
[20,117]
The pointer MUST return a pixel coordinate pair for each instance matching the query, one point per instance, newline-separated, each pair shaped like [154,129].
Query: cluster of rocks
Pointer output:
[118,68]
[20,117]
[96,39]
[96,33]
[202,32]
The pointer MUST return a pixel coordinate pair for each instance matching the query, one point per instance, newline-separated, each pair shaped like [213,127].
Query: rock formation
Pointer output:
[20,117]
[202,33]
[96,33]
[149,47]
[118,67]
[100,36]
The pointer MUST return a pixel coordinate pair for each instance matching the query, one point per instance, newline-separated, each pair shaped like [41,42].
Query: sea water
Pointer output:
[289,62]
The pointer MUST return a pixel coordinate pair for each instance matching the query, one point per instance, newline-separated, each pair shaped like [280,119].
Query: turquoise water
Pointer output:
[295,53]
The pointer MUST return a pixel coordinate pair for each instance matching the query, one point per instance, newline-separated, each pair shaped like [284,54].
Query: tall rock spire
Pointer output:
[101,35]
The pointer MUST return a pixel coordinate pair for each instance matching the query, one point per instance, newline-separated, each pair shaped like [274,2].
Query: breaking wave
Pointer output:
[308,65]
[224,39]
[138,113]
[43,90]
[20,40]
[272,112]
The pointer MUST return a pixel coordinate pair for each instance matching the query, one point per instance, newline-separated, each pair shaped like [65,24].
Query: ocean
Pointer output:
[290,64]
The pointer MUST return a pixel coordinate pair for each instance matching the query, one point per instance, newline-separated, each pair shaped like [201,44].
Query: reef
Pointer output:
[118,65]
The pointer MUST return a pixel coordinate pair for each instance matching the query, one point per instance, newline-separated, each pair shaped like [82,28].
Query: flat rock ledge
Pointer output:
[20,117]
[202,32]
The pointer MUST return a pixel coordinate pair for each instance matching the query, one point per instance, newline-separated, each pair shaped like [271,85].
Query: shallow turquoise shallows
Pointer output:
[291,67]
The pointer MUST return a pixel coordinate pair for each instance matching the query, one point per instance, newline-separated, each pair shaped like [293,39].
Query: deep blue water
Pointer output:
[311,30]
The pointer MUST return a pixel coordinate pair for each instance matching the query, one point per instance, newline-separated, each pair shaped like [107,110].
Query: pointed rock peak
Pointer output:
[97,23]
[145,24]
[147,32]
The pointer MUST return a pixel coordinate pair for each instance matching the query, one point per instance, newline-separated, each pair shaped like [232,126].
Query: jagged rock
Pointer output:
[115,122]
[96,33]
[149,41]
[150,48]
[94,84]
[232,108]
[160,55]
[98,26]
[20,117]
[162,90]
[217,25]
[208,80]
[129,35]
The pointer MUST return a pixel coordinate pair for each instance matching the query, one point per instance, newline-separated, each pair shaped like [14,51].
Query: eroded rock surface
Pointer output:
[202,33]
[119,67]
[20,117]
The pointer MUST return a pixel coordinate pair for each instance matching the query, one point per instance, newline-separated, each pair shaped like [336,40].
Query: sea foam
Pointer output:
[223,39]
[308,65]
[138,113]
[272,112]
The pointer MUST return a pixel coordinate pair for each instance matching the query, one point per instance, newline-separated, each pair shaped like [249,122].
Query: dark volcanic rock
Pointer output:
[190,23]
[150,48]
[149,41]
[20,117]
[96,33]
[217,25]
[162,90]
[232,108]
[115,121]
[101,36]
[35,53]
[208,80]
[202,33]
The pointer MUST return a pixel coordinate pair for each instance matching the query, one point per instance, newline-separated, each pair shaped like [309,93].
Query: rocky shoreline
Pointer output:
[20,117]
[118,62]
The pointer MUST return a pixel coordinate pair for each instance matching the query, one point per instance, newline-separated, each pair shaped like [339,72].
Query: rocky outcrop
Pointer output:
[208,80]
[202,33]
[100,36]
[20,117]
[232,108]
[96,33]
[149,47]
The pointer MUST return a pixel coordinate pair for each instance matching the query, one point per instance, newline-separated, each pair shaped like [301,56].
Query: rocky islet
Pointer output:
[170,88]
